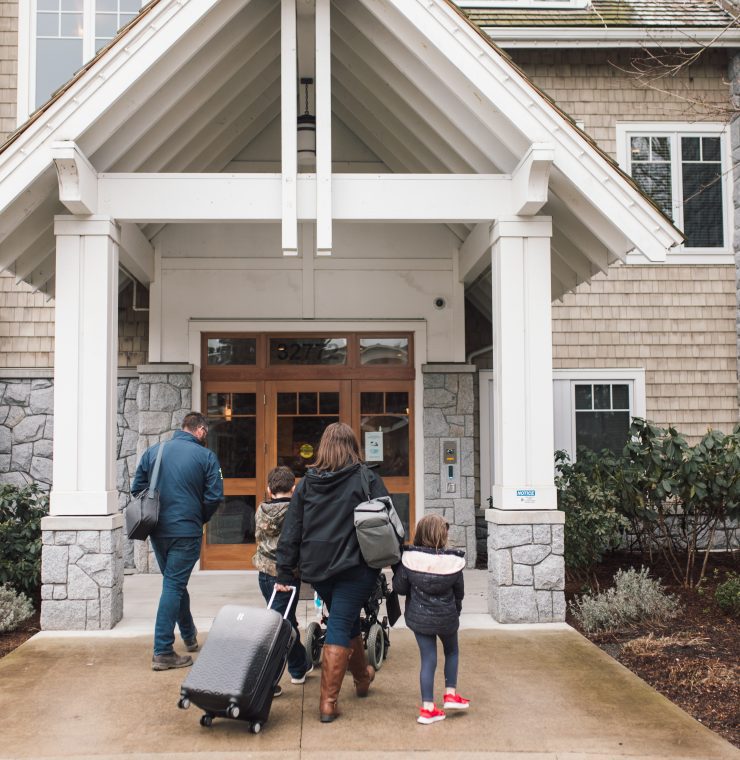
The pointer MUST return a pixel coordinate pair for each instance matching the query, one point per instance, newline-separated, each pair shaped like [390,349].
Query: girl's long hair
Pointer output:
[338,448]
[431,532]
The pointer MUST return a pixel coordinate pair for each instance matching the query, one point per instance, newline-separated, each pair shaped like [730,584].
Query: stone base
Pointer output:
[81,573]
[526,566]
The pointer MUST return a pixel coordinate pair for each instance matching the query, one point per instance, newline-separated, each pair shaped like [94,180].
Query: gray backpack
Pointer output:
[379,530]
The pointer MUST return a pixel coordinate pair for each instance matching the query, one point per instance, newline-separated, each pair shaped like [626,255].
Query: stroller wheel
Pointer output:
[314,641]
[376,646]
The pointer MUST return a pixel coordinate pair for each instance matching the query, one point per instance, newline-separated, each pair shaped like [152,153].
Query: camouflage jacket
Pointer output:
[268,525]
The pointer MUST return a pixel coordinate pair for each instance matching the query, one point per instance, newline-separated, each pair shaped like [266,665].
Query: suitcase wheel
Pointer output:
[183,703]
[255,728]
[206,720]
[232,711]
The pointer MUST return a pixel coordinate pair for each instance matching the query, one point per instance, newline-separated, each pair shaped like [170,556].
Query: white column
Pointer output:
[289,126]
[85,363]
[323,129]
[523,395]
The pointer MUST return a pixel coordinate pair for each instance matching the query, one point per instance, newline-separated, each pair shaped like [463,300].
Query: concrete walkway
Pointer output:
[541,693]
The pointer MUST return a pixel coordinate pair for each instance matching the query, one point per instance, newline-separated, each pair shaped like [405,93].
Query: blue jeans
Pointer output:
[344,595]
[297,662]
[176,558]
[428,652]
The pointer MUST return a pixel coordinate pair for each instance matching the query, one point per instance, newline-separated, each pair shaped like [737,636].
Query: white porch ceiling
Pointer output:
[203,100]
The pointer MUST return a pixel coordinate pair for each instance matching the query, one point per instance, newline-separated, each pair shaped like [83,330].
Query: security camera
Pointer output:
[439,302]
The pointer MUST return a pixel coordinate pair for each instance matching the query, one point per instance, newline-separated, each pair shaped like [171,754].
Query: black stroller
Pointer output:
[375,632]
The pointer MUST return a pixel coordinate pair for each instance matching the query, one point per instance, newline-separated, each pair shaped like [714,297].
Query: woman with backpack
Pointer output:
[319,540]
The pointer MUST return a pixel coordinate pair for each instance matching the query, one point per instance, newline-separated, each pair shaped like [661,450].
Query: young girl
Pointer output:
[431,577]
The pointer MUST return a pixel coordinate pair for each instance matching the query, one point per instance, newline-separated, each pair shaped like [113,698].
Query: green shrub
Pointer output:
[635,597]
[14,608]
[21,510]
[727,595]
[592,523]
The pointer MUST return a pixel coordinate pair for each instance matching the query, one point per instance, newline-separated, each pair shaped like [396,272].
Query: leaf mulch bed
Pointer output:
[13,639]
[693,660]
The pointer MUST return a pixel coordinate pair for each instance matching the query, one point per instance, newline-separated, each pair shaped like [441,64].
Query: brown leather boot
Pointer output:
[362,673]
[333,667]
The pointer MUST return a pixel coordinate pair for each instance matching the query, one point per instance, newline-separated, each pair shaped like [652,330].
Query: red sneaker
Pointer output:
[456,702]
[430,716]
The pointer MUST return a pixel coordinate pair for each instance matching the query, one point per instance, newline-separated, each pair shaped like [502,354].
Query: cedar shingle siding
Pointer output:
[8,66]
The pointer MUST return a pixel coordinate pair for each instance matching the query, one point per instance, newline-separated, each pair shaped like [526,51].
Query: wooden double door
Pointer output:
[257,425]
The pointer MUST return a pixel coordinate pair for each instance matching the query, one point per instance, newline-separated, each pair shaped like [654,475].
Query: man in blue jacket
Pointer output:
[190,489]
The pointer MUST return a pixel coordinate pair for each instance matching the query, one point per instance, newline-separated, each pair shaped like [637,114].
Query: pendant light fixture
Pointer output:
[306,132]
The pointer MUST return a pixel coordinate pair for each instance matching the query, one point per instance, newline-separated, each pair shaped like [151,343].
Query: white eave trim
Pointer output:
[569,37]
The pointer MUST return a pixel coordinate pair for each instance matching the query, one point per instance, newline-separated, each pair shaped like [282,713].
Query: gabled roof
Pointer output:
[188,85]
[654,14]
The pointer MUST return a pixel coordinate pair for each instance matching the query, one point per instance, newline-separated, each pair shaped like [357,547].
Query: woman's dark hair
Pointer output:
[431,532]
[338,448]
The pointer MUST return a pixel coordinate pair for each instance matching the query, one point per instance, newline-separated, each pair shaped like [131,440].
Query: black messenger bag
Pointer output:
[142,514]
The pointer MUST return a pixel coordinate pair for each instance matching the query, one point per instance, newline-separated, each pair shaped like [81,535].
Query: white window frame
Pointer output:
[564,392]
[674,130]
[26,85]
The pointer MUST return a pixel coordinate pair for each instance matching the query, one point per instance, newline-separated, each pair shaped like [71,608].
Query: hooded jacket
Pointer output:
[268,524]
[432,582]
[319,532]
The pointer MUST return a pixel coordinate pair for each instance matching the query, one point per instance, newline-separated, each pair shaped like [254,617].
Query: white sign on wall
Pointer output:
[374,447]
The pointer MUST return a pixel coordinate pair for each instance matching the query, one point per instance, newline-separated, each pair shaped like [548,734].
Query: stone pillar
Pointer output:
[82,560]
[525,547]
[734,77]
[164,396]
[449,415]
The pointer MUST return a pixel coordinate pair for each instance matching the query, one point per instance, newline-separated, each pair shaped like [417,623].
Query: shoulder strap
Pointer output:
[155,474]
[365,481]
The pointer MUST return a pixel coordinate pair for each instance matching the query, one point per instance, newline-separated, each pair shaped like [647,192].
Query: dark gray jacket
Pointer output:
[432,581]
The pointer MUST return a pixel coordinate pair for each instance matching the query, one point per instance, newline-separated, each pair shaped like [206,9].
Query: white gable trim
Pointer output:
[576,158]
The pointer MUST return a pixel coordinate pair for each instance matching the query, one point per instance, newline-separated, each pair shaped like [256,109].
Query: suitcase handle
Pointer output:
[290,603]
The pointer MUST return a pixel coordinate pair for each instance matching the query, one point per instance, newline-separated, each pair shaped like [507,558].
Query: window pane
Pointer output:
[130,6]
[71,25]
[661,148]
[106,5]
[583,397]
[47,5]
[286,403]
[640,148]
[602,430]
[384,351]
[72,5]
[690,149]
[620,397]
[655,180]
[244,403]
[710,149]
[233,522]
[47,25]
[298,440]
[291,351]
[395,430]
[217,403]
[371,403]
[56,61]
[329,403]
[397,402]
[232,351]
[106,25]
[308,403]
[702,211]
[602,397]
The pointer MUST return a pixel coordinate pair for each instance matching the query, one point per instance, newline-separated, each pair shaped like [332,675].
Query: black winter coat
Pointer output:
[432,581]
[319,536]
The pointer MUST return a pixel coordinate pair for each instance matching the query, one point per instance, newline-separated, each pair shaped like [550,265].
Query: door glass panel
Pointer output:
[303,351]
[232,432]
[384,351]
[233,522]
[329,403]
[371,403]
[286,403]
[401,503]
[298,434]
[393,451]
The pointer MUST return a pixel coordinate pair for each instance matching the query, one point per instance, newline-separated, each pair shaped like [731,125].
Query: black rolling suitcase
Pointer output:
[240,664]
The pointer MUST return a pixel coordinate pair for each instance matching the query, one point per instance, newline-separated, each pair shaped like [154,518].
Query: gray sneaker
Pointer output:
[169,661]
[192,645]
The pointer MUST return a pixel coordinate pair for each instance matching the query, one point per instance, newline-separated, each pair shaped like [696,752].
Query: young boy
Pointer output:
[268,525]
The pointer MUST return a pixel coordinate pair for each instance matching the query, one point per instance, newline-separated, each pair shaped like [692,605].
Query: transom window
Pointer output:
[684,170]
